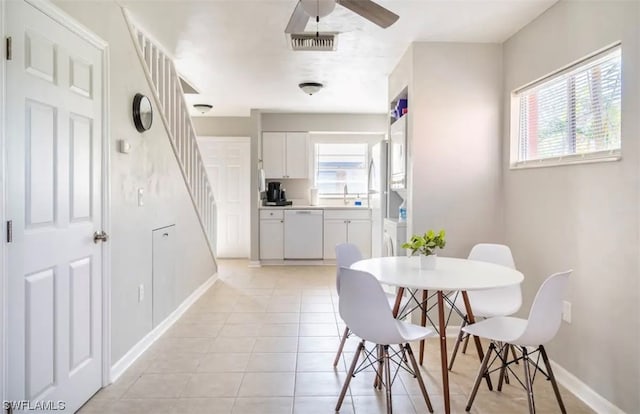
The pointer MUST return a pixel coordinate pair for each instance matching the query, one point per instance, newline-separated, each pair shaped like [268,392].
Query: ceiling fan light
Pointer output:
[318,8]
[203,108]
[310,87]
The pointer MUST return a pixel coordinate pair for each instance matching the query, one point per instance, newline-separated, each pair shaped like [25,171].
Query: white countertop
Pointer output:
[304,207]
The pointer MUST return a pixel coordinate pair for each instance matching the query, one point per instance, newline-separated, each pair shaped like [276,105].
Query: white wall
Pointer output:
[325,122]
[454,141]
[230,126]
[150,165]
[584,217]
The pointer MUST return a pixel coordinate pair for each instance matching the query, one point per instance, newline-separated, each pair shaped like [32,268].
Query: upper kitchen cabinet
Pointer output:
[285,154]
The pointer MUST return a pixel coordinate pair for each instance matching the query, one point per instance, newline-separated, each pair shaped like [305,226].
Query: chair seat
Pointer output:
[411,332]
[502,328]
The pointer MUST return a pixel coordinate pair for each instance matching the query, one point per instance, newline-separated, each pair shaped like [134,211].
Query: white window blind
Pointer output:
[573,114]
[337,164]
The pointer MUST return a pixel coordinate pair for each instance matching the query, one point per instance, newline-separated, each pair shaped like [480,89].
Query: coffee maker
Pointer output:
[275,195]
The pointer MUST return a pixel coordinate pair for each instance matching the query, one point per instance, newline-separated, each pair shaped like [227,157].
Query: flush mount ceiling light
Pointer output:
[310,87]
[318,8]
[203,108]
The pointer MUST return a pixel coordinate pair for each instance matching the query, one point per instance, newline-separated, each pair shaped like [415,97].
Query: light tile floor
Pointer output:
[262,340]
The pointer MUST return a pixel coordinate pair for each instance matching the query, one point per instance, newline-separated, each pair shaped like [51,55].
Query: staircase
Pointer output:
[169,97]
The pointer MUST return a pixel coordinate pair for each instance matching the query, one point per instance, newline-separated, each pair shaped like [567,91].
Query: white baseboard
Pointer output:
[595,401]
[138,349]
[255,263]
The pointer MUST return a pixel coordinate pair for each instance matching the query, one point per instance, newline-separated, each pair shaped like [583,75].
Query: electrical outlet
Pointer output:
[140,293]
[566,311]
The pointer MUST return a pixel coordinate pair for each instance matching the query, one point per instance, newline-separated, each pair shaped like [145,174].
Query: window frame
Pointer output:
[514,139]
[314,154]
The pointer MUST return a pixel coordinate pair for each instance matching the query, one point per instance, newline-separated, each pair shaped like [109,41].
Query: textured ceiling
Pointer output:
[235,51]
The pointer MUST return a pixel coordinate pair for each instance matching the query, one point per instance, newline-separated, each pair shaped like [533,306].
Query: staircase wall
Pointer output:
[152,166]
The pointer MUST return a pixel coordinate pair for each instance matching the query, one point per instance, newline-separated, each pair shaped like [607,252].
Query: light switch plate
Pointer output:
[124,146]
[140,197]
[566,311]
[140,293]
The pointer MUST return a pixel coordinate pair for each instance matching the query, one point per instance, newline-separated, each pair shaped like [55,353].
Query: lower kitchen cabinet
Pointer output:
[271,235]
[347,226]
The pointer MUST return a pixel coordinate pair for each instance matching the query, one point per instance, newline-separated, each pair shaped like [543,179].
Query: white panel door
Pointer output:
[227,163]
[54,167]
[273,154]
[359,233]
[297,155]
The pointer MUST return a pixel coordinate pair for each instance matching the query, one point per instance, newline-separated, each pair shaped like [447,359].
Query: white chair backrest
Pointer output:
[492,253]
[509,298]
[364,308]
[346,255]
[545,316]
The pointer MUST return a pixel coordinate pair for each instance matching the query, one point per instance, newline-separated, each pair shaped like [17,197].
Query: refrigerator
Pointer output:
[384,203]
[377,194]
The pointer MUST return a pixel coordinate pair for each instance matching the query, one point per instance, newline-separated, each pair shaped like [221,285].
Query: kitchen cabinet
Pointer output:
[347,226]
[271,234]
[285,154]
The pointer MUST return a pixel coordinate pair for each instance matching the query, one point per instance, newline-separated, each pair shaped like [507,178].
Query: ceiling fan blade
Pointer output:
[298,20]
[371,11]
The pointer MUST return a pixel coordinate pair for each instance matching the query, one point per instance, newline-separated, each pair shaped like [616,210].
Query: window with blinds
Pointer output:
[571,115]
[340,164]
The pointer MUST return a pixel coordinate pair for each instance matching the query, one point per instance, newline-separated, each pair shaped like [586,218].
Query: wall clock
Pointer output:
[142,112]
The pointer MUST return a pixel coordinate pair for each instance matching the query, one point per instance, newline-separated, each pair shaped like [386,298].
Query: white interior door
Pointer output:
[54,181]
[227,162]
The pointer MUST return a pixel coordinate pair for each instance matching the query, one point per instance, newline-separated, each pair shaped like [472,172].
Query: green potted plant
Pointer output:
[425,246]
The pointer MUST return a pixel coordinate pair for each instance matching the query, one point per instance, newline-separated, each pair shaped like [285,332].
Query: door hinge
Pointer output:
[9,231]
[9,48]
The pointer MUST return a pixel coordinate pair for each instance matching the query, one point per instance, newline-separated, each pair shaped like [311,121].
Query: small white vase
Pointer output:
[428,262]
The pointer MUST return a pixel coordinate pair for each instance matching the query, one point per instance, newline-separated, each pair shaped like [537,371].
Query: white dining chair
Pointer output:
[491,302]
[346,255]
[364,307]
[541,327]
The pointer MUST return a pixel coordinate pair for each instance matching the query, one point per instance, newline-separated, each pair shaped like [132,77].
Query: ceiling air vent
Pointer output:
[311,41]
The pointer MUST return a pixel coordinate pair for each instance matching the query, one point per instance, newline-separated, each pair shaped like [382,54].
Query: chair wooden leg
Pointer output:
[457,344]
[552,378]
[387,372]
[345,335]
[527,380]
[515,355]
[503,368]
[377,381]
[347,380]
[466,343]
[416,369]
[481,373]
[423,321]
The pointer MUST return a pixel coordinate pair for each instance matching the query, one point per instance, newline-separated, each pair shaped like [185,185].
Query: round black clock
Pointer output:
[142,112]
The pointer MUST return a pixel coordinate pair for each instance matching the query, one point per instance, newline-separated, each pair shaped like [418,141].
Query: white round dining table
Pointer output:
[450,274]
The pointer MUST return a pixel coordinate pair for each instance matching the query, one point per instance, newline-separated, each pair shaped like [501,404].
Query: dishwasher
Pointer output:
[303,234]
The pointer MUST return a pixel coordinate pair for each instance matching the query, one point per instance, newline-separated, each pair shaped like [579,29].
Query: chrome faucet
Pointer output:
[344,195]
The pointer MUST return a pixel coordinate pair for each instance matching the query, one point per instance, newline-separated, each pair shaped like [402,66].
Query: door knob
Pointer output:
[100,236]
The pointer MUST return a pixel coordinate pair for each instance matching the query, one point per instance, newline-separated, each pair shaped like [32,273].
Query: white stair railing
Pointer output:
[169,96]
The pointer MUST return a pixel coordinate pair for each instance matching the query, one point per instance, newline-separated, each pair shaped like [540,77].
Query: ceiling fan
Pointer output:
[368,9]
